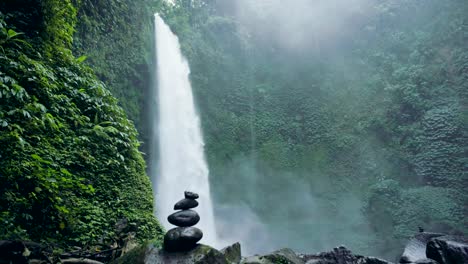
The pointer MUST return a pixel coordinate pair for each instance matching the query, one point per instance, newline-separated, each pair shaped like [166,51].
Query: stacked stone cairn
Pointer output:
[185,236]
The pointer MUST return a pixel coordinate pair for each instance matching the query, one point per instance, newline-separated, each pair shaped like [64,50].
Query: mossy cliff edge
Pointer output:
[70,167]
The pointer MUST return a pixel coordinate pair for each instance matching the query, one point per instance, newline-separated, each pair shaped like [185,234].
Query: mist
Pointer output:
[266,209]
[302,24]
[305,124]
[292,208]
[318,116]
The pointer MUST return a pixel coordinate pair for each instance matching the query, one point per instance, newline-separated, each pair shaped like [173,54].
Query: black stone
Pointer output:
[182,239]
[184,218]
[185,204]
[448,249]
[340,255]
[415,248]
[191,195]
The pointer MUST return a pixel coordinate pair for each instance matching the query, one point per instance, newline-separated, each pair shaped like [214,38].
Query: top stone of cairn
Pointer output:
[191,195]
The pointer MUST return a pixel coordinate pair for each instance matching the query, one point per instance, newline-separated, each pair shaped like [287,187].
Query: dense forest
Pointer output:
[343,129]
[325,123]
[71,171]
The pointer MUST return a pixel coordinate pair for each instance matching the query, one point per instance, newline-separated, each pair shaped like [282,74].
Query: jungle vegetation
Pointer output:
[355,138]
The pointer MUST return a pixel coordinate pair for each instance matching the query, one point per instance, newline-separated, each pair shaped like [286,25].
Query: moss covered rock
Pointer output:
[282,256]
[151,254]
[232,253]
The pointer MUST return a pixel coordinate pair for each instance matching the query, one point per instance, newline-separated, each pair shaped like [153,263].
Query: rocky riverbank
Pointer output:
[203,254]
[181,247]
[439,249]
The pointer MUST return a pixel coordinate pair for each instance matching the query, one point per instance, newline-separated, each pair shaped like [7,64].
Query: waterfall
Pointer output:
[181,162]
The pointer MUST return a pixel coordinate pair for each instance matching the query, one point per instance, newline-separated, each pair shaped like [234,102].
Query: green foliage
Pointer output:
[116,37]
[431,207]
[398,212]
[376,124]
[379,116]
[70,166]
[59,18]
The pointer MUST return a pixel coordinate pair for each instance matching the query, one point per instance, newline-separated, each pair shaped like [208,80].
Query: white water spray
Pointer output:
[182,164]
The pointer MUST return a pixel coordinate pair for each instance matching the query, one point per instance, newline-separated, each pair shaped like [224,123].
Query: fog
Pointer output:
[302,24]
[271,209]
[266,210]
[310,108]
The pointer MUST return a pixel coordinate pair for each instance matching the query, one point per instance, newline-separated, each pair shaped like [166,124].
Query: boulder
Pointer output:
[185,204]
[182,238]
[201,254]
[371,260]
[191,195]
[283,256]
[21,251]
[232,253]
[150,254]
[448,249]
[184,218]
[415,249]
[426,261]
[340,255]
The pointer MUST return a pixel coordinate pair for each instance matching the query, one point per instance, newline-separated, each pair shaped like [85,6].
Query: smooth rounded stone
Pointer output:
[185,204]
[182,238]
[191,195]
[184,218]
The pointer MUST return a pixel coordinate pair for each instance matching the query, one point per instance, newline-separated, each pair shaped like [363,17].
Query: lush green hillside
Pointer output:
[117,38]
[363,133]
[70,166]
[332,129]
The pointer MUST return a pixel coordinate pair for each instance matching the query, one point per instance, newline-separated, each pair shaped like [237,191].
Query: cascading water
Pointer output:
[181,160]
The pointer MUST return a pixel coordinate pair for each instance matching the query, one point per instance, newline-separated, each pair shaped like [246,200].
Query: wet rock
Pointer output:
[191,195]
[184,218]
[448,249]
[182,238]
[286,256]
[150,254]
[372,260]
[232,253]
[201,254]
[425,261]
[415,249]
[185,204]
[340,255]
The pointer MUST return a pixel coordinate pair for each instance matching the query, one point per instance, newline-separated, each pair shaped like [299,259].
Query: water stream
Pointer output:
[181,163]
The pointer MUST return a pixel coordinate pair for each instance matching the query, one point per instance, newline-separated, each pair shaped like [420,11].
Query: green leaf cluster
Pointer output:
[69,162]
[117,39]
[378,116]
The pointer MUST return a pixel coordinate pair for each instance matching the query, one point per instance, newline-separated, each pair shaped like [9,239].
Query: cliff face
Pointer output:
[117,38]
[70,167]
